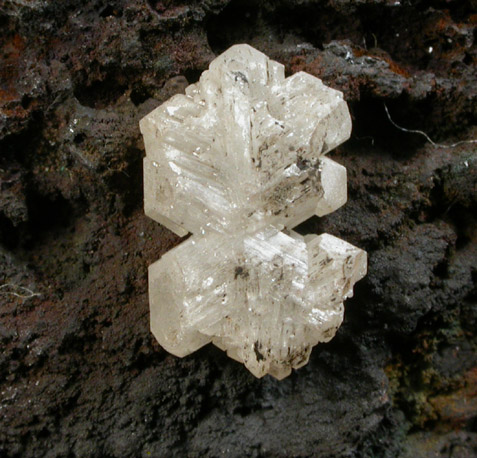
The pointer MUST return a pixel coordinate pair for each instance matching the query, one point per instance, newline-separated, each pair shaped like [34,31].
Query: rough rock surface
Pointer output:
[80,374]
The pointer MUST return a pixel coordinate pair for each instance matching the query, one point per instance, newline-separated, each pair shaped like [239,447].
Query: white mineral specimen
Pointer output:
[239,161]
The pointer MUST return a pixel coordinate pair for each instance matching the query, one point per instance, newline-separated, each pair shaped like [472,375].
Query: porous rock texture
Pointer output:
[80,373]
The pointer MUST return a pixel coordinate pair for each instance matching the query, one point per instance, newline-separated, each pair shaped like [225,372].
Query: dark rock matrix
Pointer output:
[81,374]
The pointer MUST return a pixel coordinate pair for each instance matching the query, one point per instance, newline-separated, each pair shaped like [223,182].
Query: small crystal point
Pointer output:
[239,161]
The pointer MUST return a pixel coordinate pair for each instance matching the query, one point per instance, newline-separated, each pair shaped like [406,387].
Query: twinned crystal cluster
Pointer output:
[239,161]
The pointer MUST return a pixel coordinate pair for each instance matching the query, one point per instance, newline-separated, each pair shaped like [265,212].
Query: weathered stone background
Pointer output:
[81,375]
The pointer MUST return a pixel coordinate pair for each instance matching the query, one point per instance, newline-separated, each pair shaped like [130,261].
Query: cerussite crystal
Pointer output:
[239,161]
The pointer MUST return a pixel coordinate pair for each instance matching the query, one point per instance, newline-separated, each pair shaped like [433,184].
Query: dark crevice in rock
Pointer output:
[310,226]
[127,183]
[192,75]
[237,23]
[111,10]
[9,234]
[140,94]
[49,215]
[370,123]
[100,94]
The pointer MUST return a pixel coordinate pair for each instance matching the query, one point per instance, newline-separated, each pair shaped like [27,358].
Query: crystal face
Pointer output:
[239,161]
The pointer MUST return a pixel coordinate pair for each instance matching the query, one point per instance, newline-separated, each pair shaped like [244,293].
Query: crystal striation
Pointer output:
[238,161]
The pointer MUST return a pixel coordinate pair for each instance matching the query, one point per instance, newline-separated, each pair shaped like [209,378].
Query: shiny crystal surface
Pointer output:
[239,161]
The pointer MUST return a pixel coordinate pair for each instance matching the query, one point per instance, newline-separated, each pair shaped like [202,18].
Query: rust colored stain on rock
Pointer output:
[459,407]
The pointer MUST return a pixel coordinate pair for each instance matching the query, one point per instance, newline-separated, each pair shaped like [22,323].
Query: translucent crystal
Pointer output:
[239,161]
